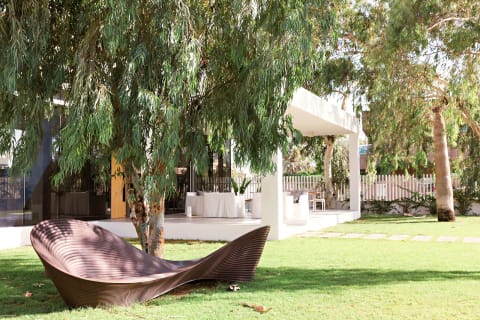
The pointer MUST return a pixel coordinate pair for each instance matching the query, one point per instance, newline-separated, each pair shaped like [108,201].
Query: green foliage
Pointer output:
[314,147]
[298,160]
[429,202]
[340,164]
[377,206]
[417,81]
[421,159]
[240,189]
[463,200]
[409,48]
[418,200]
[406,204]
[470,173]
[387,164]
[153,81]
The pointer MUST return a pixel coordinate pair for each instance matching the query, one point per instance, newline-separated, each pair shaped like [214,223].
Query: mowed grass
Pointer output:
[463,226]
[298,278]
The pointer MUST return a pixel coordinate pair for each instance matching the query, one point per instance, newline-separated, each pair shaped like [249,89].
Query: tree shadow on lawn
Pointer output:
[328,280]
[19,276]
[25,290]
[270,280]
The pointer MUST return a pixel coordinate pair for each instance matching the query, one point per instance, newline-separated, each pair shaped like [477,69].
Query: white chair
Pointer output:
[318,198]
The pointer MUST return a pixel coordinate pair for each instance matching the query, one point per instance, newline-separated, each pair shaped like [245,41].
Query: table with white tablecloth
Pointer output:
[295,212]
[256,205]
[195,203]
[216,205]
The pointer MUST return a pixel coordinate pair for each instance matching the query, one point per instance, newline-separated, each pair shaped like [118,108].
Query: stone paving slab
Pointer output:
[398,237]
[310,234]
[395,237]
[375,236]
[353,235]
[330,235]
[446,239]
[471,240]
[422,238]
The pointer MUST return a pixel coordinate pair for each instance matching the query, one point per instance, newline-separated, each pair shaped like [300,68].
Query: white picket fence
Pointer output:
[379,187]
[393,187]
[303,183]
[313,183]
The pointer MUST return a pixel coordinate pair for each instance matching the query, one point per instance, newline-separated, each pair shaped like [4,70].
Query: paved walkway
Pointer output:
[395,237]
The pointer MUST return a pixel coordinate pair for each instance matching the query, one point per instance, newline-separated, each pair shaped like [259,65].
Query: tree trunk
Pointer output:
[156,237]
[443,182]
[327,165]
[149,227]
[139,219]
[138,215]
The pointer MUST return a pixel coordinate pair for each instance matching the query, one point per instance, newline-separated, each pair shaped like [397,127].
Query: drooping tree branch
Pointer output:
[446,20]
[467,117]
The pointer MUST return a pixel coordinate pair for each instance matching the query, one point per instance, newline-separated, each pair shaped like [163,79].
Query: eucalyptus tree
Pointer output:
[297,160]
[470,172]
[150,81]
[421,60]
[336,75]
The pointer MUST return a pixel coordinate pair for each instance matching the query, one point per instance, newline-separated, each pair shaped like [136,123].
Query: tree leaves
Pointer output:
[153,81]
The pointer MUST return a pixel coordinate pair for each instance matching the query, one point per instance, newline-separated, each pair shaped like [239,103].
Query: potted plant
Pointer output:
[240,189]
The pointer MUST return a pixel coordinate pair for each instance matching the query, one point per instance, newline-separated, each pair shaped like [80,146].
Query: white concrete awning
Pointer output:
[315,116]
[312,116]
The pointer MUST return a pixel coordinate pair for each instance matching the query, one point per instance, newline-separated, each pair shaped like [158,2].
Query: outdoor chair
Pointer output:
[317,198]
[91,266]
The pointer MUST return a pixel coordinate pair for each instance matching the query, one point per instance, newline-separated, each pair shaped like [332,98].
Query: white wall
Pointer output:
[14,237]
[272,201]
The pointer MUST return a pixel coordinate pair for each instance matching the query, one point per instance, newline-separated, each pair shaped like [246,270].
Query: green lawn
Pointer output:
[424,225]
[298,278]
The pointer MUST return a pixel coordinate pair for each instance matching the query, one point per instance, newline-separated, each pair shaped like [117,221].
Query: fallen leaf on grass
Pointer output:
[38,285]
[256,307]
[28,294]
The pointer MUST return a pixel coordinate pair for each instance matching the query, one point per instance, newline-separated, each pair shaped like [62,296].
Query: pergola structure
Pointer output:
[312,116]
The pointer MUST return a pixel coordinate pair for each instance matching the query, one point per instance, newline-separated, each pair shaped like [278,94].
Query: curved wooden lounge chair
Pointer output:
[91,266]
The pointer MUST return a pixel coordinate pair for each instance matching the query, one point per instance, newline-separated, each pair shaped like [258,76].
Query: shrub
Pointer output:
[463,201]
[377,206]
